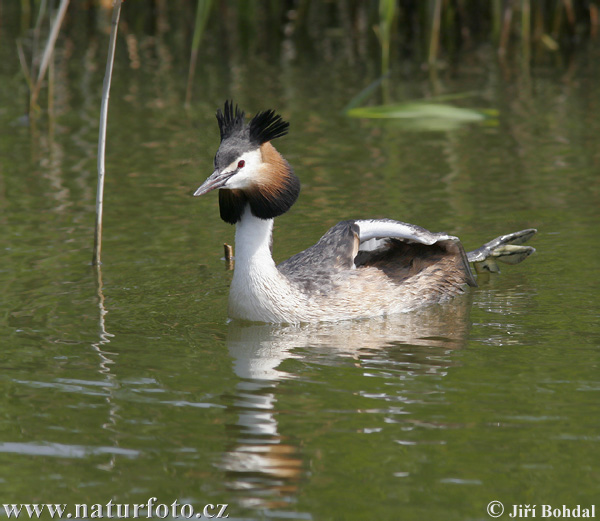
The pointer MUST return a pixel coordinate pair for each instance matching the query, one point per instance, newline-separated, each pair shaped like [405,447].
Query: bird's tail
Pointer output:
[506,248]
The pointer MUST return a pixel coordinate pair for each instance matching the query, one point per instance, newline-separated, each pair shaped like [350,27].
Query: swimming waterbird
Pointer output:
[358,269]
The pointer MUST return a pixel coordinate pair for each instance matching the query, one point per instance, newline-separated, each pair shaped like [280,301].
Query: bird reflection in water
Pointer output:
[265,466]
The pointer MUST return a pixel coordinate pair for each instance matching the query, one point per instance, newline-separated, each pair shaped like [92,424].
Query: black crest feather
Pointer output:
[266,126]
[230,120]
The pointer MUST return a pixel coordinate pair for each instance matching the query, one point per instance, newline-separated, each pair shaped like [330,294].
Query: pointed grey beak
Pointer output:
[216,180]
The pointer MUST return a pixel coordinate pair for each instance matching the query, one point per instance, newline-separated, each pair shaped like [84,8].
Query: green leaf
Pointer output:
[419,111]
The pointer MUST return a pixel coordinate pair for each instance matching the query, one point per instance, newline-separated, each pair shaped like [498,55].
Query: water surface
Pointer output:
[136,385]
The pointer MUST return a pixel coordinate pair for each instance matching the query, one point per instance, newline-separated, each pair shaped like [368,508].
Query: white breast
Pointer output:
[259,292]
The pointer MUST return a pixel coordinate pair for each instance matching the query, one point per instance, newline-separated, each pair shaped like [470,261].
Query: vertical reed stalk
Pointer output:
[96,257]
[62,9]
[526,30]
[505,34]
[35,59]
[434,39]
[202,13]
[557,20]
[24,66]
[51,85]
[387,12]
[25,14]
[496,18]
[570,12]
[594,21]
[228,251]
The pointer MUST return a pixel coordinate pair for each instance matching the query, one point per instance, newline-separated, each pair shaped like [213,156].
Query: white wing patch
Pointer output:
[373,244]
[378,230]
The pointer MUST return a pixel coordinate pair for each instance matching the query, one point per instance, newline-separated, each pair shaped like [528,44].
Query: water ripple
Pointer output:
[61,450]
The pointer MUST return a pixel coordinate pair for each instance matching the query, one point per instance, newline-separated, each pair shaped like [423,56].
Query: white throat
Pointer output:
[258,290]
[253,238]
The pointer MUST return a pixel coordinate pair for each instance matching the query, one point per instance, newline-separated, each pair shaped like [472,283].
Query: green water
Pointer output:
[137,386]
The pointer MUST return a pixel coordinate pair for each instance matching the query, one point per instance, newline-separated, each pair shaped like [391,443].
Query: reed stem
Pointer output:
[505,33]
[202,12]
[62,9]
[526,30]
[96,257]
[434,40]
[228,251]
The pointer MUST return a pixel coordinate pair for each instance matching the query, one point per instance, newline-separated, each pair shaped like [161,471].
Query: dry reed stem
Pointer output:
[48,51]
[96,257]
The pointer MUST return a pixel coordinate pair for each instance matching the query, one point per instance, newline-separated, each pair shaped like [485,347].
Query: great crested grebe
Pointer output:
[358,269]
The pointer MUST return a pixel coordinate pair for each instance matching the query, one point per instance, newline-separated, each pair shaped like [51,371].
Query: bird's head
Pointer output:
[248,169]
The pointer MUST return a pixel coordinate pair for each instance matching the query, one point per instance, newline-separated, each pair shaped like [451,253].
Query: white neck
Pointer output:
[258,290]
[253,241]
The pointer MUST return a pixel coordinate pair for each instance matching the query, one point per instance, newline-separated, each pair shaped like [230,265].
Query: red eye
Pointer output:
[241,163]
